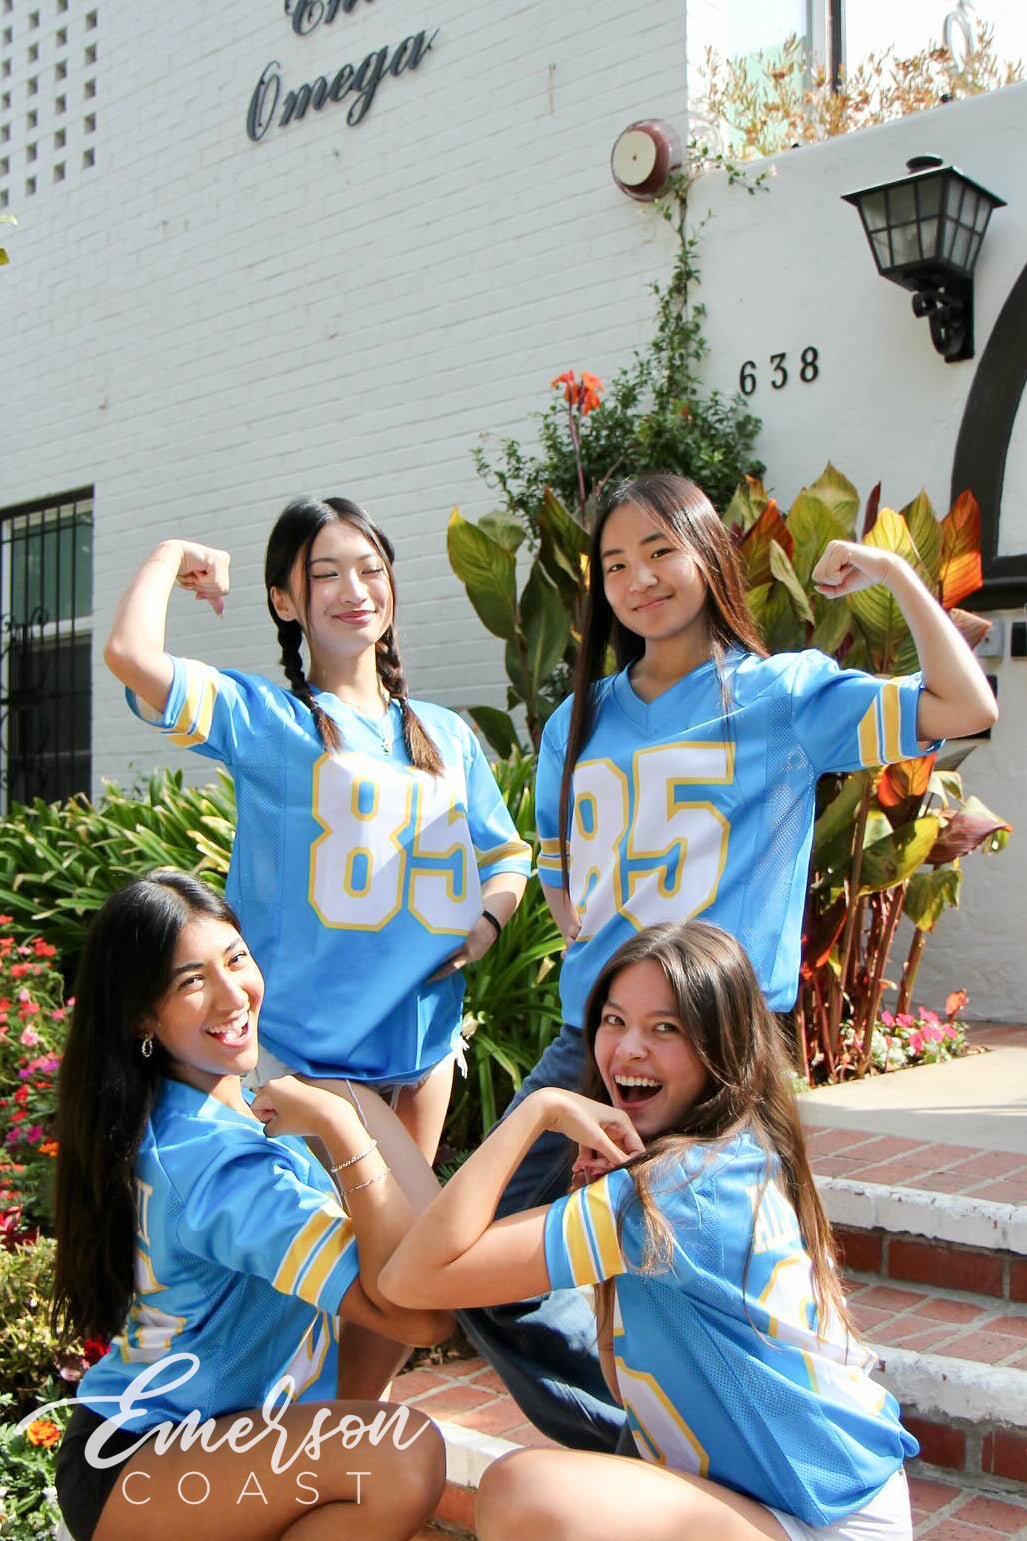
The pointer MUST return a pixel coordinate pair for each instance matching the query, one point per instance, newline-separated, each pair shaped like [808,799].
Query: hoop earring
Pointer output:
[147,1046]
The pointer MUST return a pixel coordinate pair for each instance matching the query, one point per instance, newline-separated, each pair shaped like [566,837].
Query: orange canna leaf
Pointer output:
[570,385]
[959,571]
[904,780]
[818,942]
[590,392]
[955,1001]
[755,543]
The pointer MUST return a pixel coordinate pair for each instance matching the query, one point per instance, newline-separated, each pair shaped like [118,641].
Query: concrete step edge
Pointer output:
[939,1387]
[954,1217]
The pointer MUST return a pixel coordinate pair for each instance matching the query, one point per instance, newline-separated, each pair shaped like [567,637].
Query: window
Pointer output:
[46,600]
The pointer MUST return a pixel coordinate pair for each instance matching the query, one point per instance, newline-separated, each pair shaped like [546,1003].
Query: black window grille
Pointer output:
[46,602]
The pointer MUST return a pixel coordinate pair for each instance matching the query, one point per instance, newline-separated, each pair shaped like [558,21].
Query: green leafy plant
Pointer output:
[885,842]
[28,1498]
[512,1001]
[60,861]
[654,413]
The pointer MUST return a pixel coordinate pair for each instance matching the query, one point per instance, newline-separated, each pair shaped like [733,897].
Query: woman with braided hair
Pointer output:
[374,855]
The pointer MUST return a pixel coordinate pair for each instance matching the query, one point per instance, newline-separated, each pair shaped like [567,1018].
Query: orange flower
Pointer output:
[584,394]
[48,1148]
[570,385]
[43,1432]
[591,390]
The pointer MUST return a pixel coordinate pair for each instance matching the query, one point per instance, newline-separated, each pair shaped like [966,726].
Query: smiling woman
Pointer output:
[198,1233]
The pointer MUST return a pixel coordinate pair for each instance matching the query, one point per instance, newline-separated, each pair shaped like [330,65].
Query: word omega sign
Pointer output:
[356,82]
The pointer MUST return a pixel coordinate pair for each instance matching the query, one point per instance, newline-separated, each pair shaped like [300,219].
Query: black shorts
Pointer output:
[82,1490]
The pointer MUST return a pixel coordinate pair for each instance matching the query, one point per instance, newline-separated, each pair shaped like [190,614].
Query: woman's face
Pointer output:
[644,1051]
[206,1021]
[653,586]
[350,598]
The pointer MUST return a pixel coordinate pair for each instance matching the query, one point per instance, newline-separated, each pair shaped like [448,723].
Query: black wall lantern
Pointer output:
[925,231]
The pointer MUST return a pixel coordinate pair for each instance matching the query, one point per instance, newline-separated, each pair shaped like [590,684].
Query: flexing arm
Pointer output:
[456,1254]
[383,1188]
[955,698]
[134,651]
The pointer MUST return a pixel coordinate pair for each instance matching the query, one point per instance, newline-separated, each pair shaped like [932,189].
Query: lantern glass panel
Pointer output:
[954,197]
[929,196]
[906,245]
[880,240]
[928,237]
[874,211]
[901,204]
[961,248]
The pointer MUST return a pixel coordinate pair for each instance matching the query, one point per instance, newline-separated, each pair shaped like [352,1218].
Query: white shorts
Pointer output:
[885,1518]
[269,1066]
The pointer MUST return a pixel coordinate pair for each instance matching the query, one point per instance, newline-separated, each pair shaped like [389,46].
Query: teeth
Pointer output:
[636,1080]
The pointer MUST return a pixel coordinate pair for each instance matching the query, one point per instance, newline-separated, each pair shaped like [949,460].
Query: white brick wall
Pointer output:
[201,326]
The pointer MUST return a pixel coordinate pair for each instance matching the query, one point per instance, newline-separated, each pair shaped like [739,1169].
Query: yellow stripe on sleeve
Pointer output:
[583,1270]
[192,725]
[303,1244]
[868,736]
[891,715]
[517,848]
[604,1230]
[324,1260]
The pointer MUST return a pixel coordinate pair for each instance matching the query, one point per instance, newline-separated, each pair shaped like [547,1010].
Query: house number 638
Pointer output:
[809,369]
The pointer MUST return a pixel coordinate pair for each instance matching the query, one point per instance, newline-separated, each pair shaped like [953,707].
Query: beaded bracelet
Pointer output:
[352,1160]
[357,1186]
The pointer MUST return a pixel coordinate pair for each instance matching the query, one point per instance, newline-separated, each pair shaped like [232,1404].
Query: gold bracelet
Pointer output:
[352,1160]
[357,1186]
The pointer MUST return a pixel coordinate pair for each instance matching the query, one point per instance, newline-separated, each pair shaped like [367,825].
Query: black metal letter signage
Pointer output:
[360,82]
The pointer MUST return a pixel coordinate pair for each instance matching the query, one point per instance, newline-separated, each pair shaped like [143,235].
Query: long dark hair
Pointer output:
[107,1089]
[691,521]
[296,529]
[739,1042]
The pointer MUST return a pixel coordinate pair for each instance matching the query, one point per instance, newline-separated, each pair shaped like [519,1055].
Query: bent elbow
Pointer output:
[432,1327]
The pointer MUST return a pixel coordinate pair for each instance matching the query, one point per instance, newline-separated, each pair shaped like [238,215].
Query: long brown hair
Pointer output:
[294,533]
[692,522]
[106,1092]
[739,1042]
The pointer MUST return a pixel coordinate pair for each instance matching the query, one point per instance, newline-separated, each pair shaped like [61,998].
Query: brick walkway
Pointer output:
[936,1321]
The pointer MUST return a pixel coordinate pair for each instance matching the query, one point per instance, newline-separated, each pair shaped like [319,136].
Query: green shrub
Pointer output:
[512,1002]
[28,1500]
[31,1357]
[60,861]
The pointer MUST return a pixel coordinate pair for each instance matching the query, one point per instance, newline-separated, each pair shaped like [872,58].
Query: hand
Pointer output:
[588,1167]
[474,946]
[203,570]
[606,1133]
[288,1105]
[846,566]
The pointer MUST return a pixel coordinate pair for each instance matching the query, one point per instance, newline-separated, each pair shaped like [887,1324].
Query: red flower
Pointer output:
[43,949]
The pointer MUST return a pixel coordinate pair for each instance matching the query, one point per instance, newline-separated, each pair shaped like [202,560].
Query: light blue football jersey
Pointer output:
[353,874]
[744,1386]
[681,811]
[243,1255]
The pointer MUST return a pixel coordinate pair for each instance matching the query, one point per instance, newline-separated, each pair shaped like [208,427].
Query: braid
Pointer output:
[289,634]
[420,747]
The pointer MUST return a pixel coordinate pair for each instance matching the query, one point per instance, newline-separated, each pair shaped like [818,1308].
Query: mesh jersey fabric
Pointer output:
[243,1255]
[680,811]
[737,1381]
[353,874]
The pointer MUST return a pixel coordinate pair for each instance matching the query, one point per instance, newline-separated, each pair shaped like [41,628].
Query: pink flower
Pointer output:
[928,1016]
[58,1015]
[29,1037]
[887,1019]
[904,1019]
[931,1032]
[33,1134]
[950,1031]
[916,1042]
